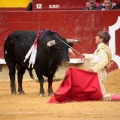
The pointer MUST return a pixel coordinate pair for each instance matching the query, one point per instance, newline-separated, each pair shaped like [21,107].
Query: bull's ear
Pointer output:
[51,43]
[72,41]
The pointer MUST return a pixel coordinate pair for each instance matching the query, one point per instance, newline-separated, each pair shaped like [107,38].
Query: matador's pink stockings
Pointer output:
[115,97]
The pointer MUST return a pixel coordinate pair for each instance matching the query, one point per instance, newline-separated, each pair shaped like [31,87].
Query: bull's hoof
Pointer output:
[21,93]
[42,95]
[13,93]
[50,94]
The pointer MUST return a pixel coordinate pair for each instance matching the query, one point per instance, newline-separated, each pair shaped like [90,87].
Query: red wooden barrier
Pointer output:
[77,24]
[82,25]
[67,18]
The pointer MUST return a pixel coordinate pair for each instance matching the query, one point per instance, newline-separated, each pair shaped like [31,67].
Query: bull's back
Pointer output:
[18,44]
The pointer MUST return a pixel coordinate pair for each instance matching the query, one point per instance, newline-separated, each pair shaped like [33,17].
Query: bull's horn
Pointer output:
[51,43]
[72,41]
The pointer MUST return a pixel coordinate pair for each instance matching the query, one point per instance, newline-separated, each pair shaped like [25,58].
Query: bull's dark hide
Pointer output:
[51,52]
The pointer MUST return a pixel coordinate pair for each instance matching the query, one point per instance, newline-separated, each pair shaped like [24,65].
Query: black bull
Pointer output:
[51,52]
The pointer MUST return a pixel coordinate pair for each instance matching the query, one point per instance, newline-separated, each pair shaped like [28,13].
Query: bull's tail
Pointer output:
[31,74]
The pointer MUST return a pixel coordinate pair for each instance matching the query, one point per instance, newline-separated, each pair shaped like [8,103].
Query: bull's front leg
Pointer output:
[50,90]
[42,92]
[41,82]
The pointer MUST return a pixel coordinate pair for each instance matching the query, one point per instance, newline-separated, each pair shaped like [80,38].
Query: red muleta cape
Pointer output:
[77,85]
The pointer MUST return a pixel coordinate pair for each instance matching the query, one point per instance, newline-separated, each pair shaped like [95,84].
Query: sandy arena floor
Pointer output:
[33,107]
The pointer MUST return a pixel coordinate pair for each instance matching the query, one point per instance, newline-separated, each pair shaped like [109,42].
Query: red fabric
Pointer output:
[77,85]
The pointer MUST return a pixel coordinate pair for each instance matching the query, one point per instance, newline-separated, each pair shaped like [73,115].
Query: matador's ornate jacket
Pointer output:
[99,61]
